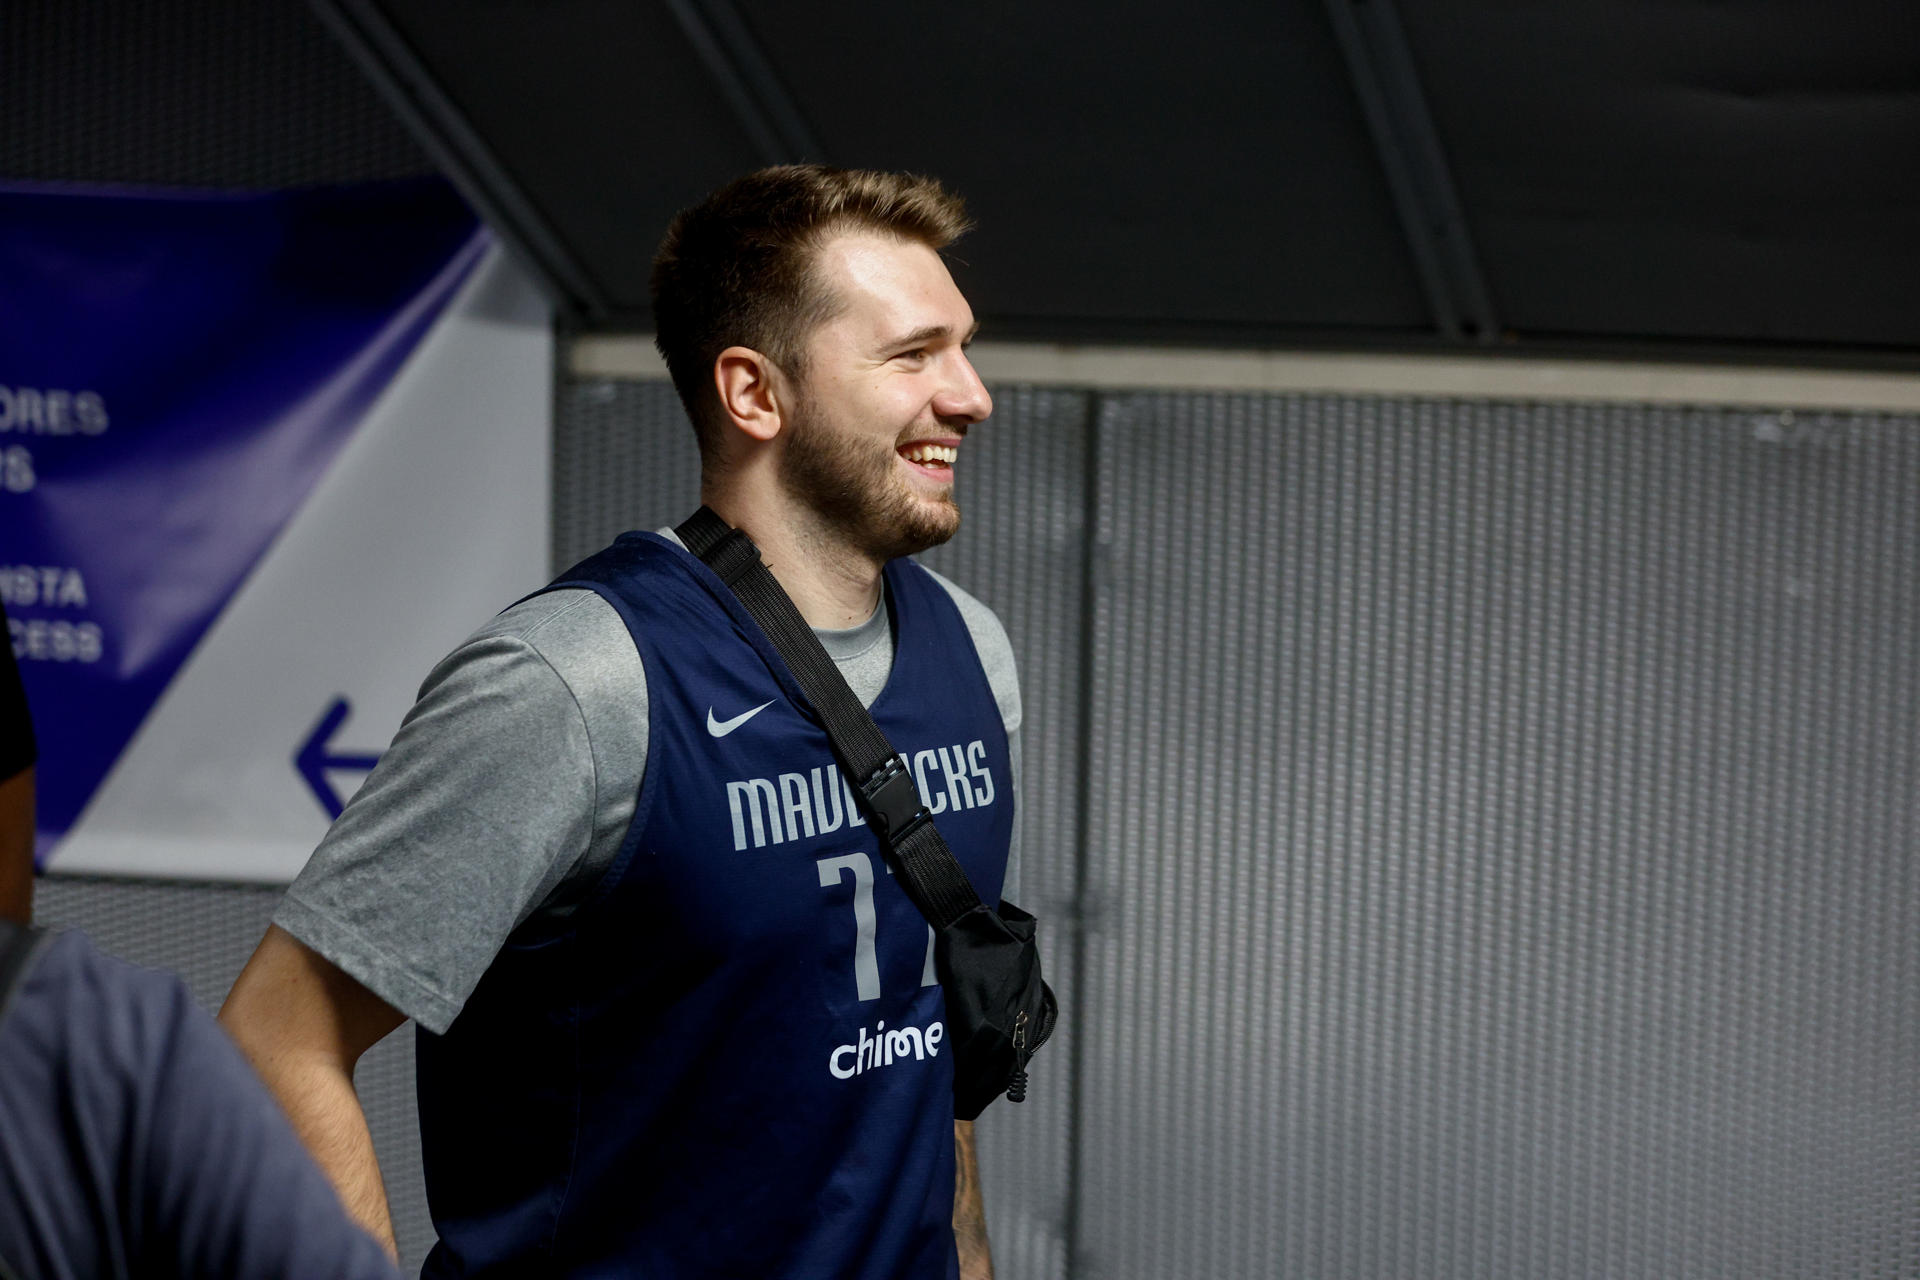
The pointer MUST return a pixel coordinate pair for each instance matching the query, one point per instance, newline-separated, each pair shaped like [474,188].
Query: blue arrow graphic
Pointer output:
[313,759]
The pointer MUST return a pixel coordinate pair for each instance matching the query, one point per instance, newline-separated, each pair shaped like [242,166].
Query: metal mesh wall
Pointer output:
[623,458]
[1505,820]
[216,93]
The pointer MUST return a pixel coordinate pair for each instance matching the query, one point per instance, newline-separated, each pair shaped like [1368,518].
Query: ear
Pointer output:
[751,392]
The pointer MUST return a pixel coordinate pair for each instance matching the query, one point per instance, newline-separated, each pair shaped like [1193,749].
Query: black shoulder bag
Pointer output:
[999,1010]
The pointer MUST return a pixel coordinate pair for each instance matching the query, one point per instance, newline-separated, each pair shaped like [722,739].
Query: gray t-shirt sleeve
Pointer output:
[996,659]
[509,790]
[492,792]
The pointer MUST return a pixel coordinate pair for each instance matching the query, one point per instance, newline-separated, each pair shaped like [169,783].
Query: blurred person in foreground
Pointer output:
[609,868]
[134,1139]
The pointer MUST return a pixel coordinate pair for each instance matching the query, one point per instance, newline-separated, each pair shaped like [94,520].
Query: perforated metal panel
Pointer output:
[216,93]
[623,458]
[1504,820]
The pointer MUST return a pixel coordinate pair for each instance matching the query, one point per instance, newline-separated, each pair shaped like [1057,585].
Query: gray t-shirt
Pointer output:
[510,787]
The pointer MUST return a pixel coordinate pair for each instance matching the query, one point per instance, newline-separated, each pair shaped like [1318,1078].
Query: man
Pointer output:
[664,977]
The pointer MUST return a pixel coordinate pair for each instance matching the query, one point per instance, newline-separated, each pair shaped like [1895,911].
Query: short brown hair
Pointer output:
[736,269]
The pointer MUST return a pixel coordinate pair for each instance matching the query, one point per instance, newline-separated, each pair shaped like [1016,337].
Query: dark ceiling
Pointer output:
[1672,178]
[1661,176]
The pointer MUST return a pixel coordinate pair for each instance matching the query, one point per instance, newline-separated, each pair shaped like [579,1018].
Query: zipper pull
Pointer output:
[1017,1086]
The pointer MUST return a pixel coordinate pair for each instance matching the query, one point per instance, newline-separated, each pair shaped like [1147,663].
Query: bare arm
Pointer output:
[304,1024]
[16,847]
[969,1213]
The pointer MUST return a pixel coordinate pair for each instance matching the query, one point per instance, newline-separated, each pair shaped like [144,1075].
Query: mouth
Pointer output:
[931,458]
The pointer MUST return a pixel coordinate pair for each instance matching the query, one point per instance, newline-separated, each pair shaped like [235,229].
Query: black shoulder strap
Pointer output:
[18,943]
[929,873]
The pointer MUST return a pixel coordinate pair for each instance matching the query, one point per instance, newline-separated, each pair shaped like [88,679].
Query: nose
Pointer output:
[964,396]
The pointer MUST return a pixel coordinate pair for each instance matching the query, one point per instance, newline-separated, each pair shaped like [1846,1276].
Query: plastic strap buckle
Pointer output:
[893,801]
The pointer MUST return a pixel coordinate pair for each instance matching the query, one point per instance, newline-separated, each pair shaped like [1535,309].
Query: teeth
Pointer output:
[930,453]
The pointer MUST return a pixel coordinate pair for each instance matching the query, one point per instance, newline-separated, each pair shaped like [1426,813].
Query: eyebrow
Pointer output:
[928,333]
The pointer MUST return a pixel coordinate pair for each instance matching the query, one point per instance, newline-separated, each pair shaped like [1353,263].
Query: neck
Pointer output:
[832,583]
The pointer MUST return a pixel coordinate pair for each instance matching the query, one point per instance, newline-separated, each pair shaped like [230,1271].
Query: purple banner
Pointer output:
[177,370]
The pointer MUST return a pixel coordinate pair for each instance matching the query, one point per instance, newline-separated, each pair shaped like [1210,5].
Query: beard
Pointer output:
[849,480]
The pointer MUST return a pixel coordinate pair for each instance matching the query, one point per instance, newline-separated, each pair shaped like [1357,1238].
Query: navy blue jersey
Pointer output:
[731,1060]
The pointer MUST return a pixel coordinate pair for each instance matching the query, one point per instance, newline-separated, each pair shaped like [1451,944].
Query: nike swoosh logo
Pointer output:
[721,728]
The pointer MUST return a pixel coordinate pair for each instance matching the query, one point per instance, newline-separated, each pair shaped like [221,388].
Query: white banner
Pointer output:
[431,518]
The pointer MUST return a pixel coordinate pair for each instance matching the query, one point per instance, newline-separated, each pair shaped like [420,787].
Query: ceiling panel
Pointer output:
[597,112]
[1131,168]
[1653,177]
[1133,172]
[1700,171]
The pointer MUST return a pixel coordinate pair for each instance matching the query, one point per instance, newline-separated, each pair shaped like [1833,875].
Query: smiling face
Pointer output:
[886,398]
